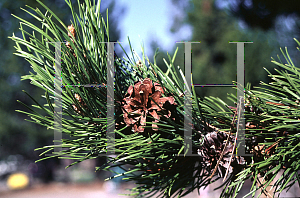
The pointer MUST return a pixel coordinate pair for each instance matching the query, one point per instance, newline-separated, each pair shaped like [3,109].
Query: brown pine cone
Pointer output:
[146,99]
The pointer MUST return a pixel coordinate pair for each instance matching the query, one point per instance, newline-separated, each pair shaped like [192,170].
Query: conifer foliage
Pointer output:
[149,113]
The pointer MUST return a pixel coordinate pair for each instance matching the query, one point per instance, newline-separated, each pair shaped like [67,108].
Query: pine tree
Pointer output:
[150,112]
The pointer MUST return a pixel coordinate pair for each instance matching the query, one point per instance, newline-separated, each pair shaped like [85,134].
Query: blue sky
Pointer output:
[147,20]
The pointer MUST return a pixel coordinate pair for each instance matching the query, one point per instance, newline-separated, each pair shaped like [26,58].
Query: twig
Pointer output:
[239,115]
[215,169]
[268,150]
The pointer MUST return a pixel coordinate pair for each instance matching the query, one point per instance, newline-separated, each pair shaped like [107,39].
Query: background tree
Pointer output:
[267,15]
[18,138]
[262,14]
[214,59]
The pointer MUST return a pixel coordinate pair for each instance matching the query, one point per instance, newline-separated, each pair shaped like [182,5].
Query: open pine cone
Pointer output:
[144,102]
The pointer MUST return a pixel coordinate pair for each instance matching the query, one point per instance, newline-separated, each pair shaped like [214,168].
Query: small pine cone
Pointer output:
[215,141]
[142,103]
[212,148]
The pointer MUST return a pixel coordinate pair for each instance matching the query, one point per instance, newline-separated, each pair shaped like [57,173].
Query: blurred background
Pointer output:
[270,24]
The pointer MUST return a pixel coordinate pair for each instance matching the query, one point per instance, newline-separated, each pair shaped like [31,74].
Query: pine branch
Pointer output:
[149,113]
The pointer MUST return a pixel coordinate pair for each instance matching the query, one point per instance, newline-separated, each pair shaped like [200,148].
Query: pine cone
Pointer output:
[211,149]
[213,146]
[142,103]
